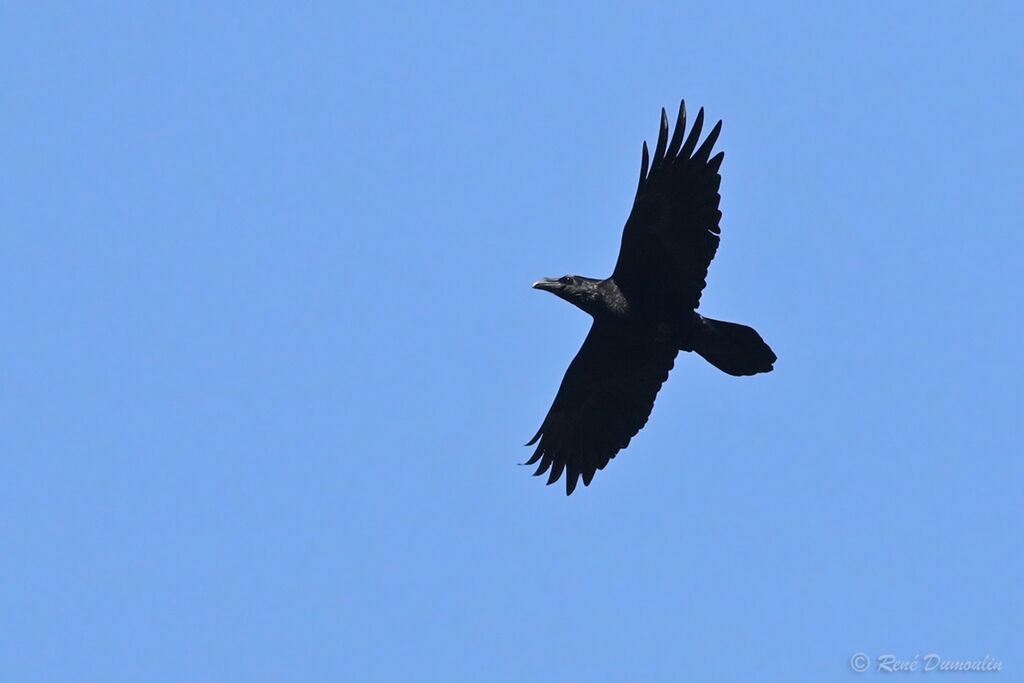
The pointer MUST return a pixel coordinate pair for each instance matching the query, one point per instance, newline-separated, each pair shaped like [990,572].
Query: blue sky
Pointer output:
[270,351]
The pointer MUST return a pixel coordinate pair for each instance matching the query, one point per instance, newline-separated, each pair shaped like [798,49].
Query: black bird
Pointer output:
[646,312]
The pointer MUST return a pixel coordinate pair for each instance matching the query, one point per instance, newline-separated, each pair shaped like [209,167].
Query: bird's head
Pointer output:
[580,291]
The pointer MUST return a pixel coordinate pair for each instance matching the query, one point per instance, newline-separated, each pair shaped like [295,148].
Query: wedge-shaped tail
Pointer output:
[732,348]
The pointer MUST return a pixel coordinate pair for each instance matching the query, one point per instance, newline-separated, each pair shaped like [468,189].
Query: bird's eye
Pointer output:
[567,280]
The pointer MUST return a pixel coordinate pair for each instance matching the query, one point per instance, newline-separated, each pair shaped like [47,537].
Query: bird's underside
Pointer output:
[645,313]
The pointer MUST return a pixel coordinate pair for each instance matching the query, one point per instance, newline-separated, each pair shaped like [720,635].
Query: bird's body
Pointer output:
[645,312]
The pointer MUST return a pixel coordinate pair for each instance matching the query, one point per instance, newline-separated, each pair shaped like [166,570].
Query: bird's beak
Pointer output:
[547,284]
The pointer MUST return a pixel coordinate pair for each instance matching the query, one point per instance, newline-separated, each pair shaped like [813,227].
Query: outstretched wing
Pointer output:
[605,398]
[672,232]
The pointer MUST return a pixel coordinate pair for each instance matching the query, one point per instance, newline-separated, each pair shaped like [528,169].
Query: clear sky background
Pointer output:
[270,351]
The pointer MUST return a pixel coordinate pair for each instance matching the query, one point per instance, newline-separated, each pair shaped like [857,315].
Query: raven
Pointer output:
[645,313]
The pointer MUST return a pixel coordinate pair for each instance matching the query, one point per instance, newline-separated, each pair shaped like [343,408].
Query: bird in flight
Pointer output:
[646,312]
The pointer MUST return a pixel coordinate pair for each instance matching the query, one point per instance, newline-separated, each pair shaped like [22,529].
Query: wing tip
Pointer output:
[645,161]
[716,162]
[556,472]
[709,143]
[677,133]
[691,139]
[659,148]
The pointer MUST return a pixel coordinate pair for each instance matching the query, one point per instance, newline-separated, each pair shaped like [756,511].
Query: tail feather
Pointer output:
[732,348]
